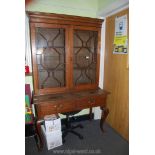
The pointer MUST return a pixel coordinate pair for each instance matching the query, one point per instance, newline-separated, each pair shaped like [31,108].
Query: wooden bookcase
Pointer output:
[65,52]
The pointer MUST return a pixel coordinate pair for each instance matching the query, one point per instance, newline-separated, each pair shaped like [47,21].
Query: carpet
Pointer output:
[94,142]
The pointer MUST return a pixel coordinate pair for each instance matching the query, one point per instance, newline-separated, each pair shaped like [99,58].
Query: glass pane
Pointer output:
[50,44]
[85,56]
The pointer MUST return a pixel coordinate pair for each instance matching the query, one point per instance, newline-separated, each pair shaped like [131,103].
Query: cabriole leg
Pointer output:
[105,112]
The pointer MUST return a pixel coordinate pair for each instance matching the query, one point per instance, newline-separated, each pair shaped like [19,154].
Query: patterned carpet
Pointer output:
[94,142]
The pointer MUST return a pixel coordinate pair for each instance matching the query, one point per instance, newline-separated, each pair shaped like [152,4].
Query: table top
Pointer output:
[69,95]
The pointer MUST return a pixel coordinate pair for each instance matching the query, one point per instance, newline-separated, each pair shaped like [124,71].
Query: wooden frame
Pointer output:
[91,86]
[40,17]
[35,71]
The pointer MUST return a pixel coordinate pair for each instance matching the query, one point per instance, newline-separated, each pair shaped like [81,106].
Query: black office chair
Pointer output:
[70,128]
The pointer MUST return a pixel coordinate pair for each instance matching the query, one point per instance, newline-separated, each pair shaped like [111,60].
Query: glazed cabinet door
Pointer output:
[86,42]
[50,57]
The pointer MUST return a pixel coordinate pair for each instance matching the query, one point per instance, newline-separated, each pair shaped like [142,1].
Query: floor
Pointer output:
[94,142]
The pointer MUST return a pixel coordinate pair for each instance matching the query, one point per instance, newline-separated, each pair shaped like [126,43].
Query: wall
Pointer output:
[28,79]
[86,8]
[102,4]
[116,81]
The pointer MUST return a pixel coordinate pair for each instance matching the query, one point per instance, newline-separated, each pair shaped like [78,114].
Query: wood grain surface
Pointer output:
[116,80]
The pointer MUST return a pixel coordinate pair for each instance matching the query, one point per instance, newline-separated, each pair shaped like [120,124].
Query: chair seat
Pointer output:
[71,113]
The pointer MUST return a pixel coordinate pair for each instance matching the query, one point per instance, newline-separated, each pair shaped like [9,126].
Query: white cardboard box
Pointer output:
[53,139]
[52,124]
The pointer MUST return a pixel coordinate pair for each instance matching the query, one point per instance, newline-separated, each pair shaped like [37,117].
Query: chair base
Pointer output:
[71,130]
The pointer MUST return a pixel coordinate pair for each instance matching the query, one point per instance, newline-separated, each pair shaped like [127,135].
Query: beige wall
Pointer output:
[86,8]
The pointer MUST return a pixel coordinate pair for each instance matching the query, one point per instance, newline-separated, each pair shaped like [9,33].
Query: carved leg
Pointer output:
[90,114]
[105,112]
[38,131]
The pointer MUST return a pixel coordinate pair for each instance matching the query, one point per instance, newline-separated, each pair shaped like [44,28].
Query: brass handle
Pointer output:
[60,106]
[55,106]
